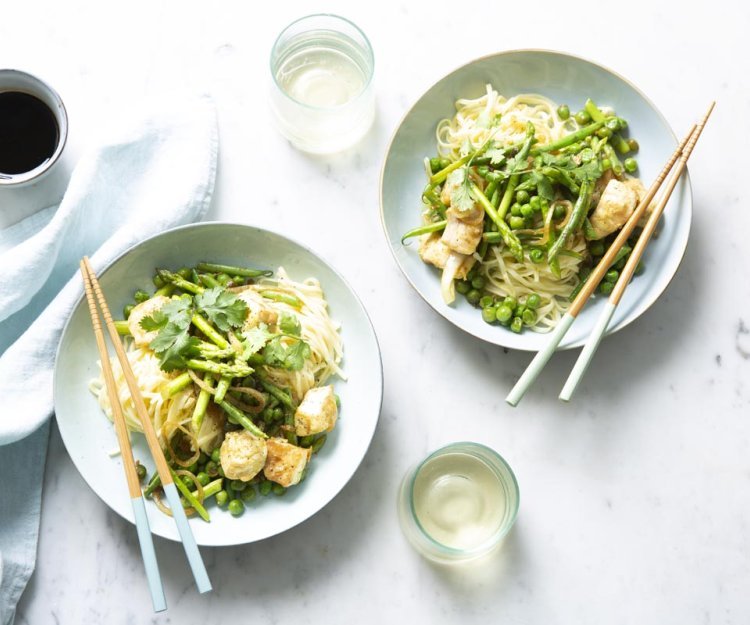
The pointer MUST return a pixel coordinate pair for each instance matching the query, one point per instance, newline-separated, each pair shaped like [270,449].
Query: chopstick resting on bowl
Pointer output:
[178,513]
[134,488]
[543,356]
[588,351]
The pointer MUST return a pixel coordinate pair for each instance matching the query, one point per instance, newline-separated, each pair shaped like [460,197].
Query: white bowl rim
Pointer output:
[685,180]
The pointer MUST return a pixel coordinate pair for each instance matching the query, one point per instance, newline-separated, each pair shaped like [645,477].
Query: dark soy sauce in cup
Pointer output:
[28,132]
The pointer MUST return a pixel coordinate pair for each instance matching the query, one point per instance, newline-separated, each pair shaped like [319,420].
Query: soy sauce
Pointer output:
[28,132]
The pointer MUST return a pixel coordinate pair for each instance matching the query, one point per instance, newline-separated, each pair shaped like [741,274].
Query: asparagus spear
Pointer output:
[204,326]
[221,389]
[575,222]
[570,139]
[179,281]
[235,370]
[199,412]
[508,236]
[237,416]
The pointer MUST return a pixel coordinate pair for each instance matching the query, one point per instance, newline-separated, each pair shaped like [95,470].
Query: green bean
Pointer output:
[210,489]
[234,271]
[279,393]
[609,154]
[575,222]
[284,298]
[572,138]
[562,177]
[208,280]
[426,229]
[593,111]
[188,495]
[622,146]
[639,268]
[510,189]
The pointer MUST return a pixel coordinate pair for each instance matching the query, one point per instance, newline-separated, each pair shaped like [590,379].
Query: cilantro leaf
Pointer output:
[461,198]
[222,307]
[292,358]
[289,324]
[174,345]
[590,171]
[255,340]
[543,185]
[155,322]
[496,154]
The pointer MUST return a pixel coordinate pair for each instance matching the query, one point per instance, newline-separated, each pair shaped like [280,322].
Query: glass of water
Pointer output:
[321,96]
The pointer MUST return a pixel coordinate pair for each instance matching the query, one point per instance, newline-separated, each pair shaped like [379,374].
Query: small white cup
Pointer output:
[16,80]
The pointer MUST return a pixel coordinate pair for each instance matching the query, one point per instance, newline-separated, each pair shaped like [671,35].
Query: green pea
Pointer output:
[127,310]
[212,468]
[486,301]
[583,118]
[526,210]
[265,488]
[606,288]
[630,165]
[633,145]
[529,317]
[536,203]
[517,223]
[604,133]
[620,264]
[222,498]
[185,272]
[203,478]
[223,279]
[516,325]
[511,302]
[479,282]
[463,286]
[188,481]
[544,205]
[515,210]
[606,164]
[158,281]
[306,441]
[216,454]
[639,268]
[596,248]
[248,494]
[238,485]
[141,296]
[504,313]
[488,314]
[559,212]
[473,297]
[472,273]
[533,301]
[522,196]
[563,112]
[278,490]
[140,471]
[612,275]
[536,255]
[236,507]
[435,165]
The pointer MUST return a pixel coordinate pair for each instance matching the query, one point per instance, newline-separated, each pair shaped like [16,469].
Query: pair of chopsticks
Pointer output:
[93,295]
[540,360]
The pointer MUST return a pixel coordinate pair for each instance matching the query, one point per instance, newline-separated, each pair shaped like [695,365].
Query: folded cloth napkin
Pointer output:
[157,174]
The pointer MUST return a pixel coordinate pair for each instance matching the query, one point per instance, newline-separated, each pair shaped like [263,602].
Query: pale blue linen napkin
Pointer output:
[156,174]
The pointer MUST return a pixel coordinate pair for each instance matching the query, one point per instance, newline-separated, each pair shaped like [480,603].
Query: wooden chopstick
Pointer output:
[178,512]
[587,354]
[542,357]
[134,488]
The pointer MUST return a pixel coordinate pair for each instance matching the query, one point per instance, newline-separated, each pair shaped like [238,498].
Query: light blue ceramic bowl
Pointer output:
[89,437]
[564,79]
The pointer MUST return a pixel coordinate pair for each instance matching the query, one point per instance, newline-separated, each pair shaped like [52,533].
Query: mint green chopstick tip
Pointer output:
[537,364]
[588,351]
[148,554]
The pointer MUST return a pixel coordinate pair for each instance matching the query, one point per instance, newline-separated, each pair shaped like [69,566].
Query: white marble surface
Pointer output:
[635,498]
